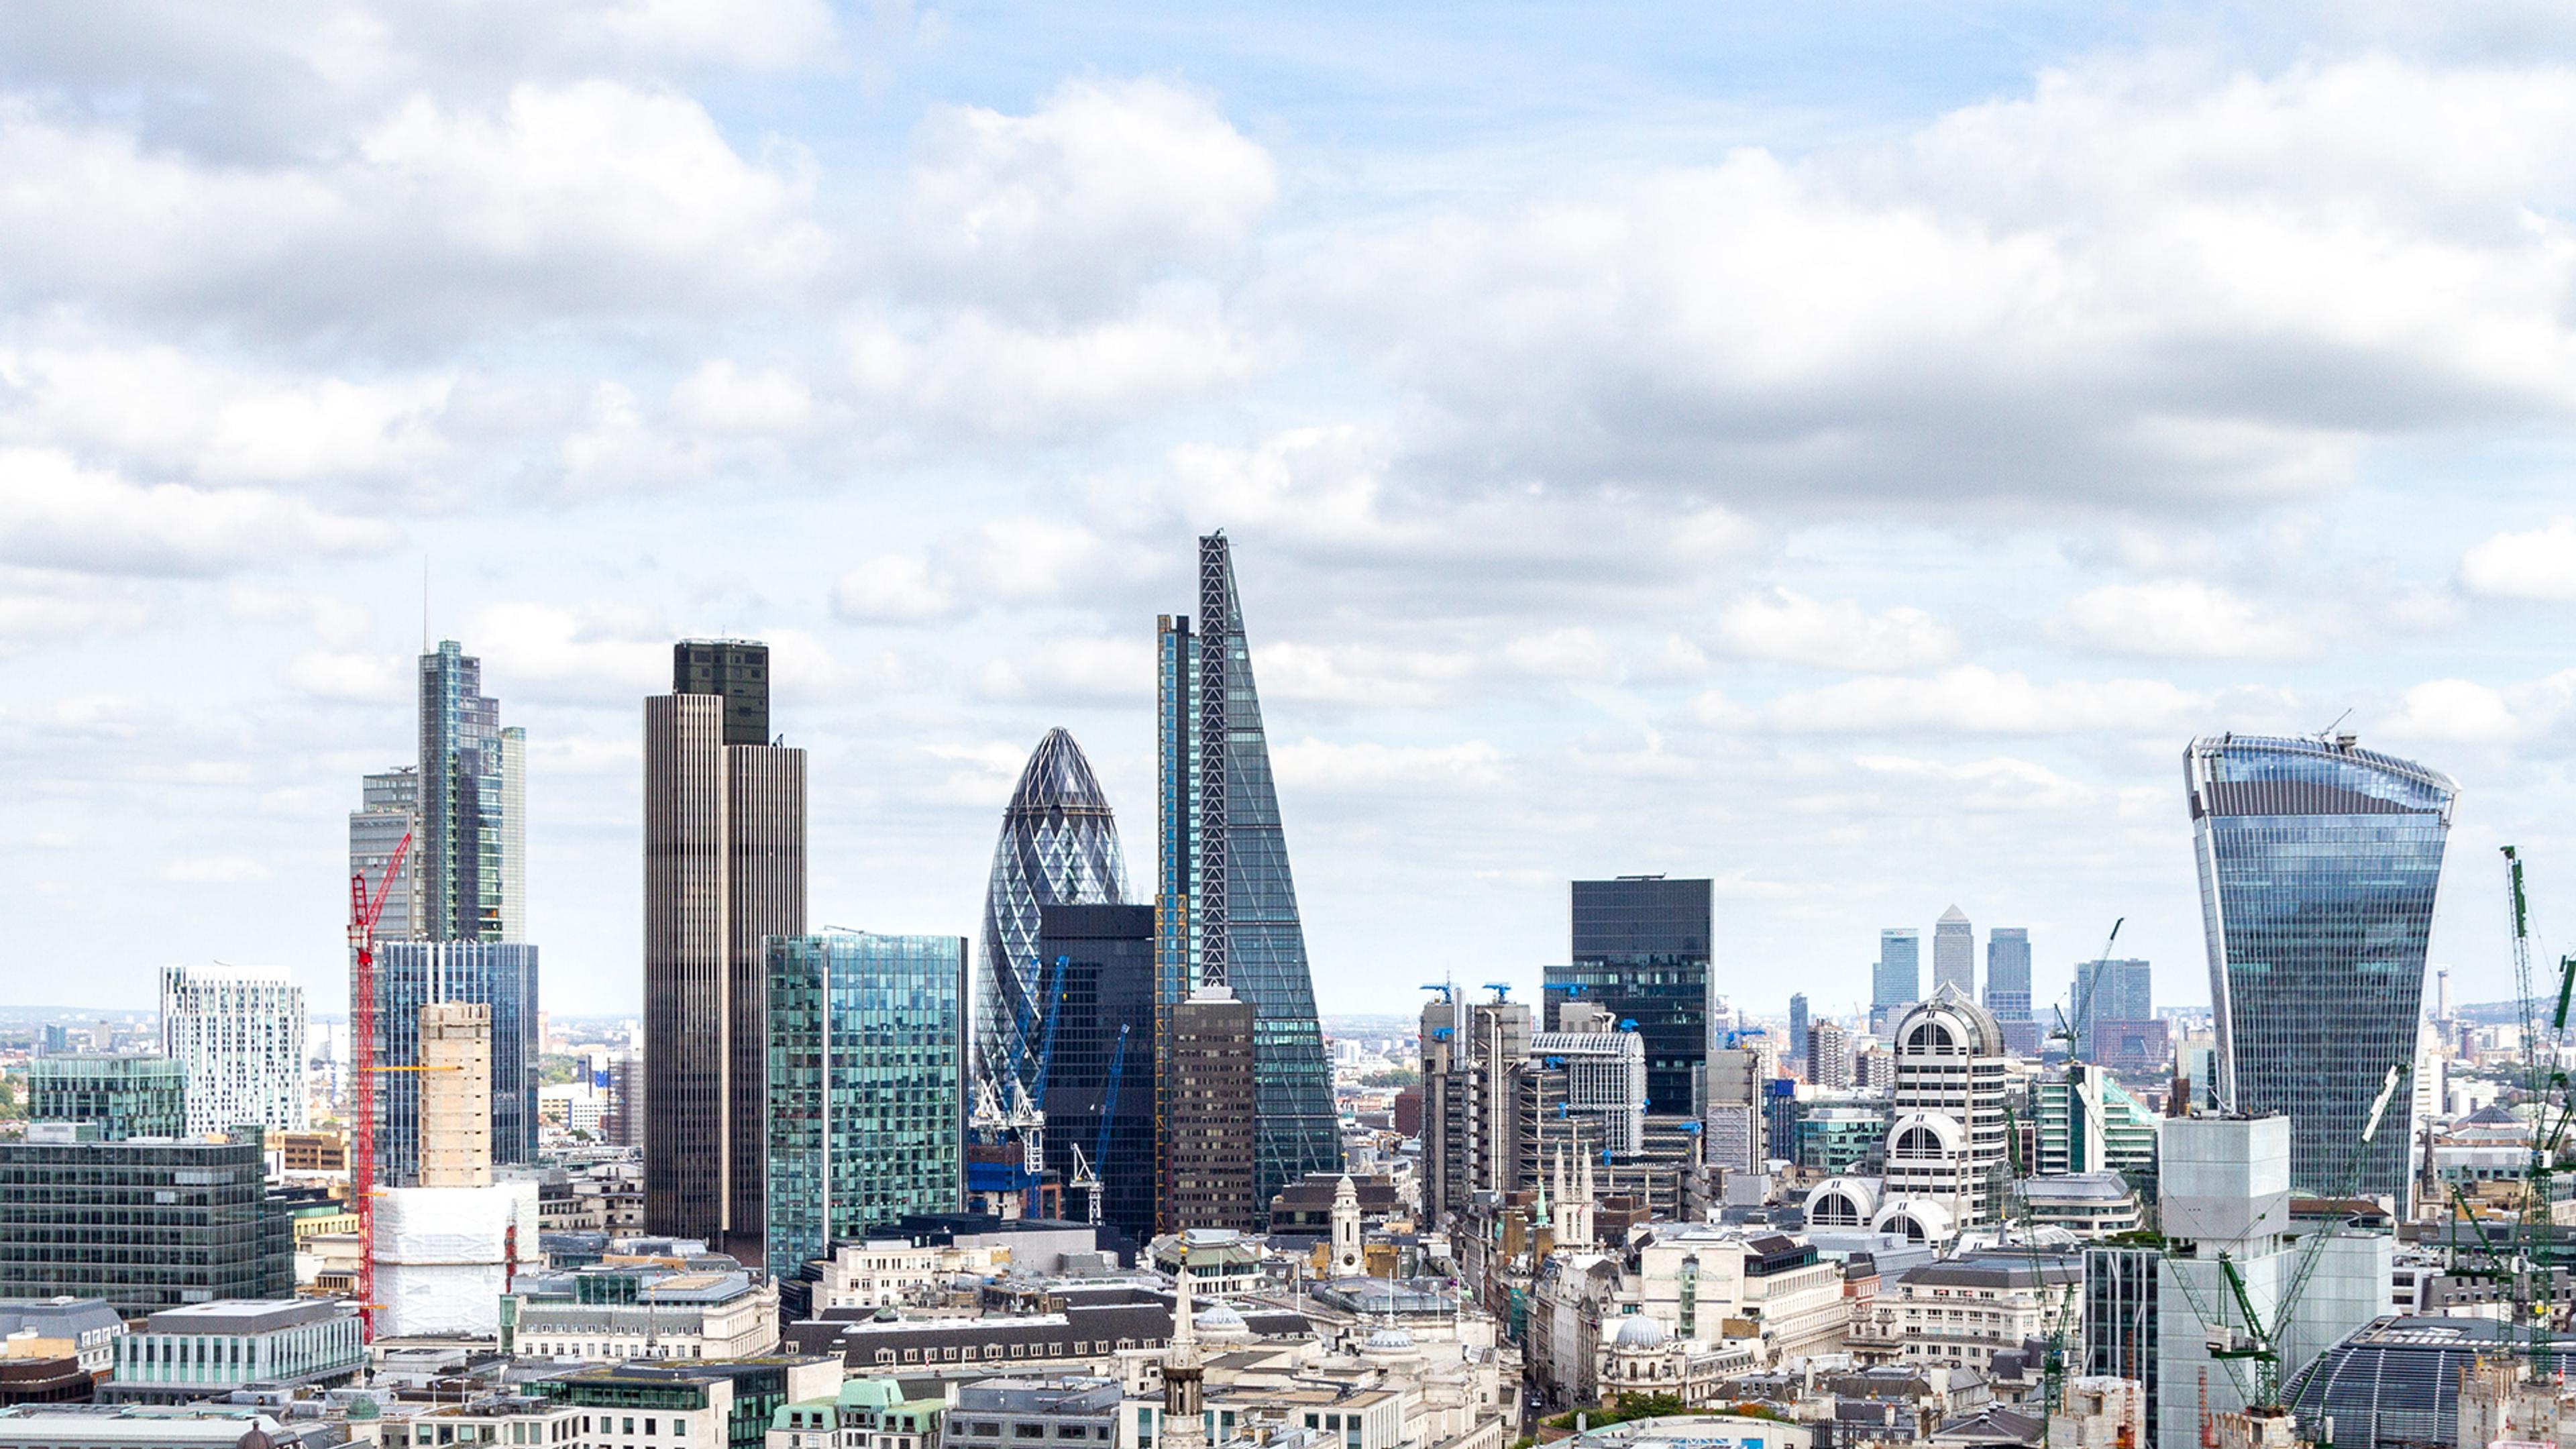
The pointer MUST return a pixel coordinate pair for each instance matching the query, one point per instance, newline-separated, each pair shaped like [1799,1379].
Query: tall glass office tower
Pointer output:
[2318,864]
[866,1116]
[2008,988]
[1898,980]
[1228,905]
[1954,953]
[472,855]
[1059,847]
[411,975]
[1641,952]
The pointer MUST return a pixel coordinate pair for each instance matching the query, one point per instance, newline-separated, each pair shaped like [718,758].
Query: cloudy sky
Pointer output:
[1845,450]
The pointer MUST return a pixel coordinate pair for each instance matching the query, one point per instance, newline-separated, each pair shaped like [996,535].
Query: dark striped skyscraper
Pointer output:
[1058,847]
[1228,908]
[724,866]
[2318,864]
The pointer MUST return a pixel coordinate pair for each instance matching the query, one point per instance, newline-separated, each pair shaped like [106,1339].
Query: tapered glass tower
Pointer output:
[2318,862]
[1228,905]
[1059,847]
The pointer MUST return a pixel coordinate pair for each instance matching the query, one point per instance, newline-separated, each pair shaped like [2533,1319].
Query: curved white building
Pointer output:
[1946,1147]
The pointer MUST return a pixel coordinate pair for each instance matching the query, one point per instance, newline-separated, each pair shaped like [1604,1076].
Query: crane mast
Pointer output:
[364,911]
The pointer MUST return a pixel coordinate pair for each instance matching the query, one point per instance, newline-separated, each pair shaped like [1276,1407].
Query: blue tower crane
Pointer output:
[1108,1119]
[1034,1144]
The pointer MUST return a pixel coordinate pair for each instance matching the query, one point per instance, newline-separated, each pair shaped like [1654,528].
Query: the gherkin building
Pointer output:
[1059,847]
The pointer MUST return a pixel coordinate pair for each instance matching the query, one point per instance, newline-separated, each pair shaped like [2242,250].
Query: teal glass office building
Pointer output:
[122,1096]
[2318,862]
[867,1086]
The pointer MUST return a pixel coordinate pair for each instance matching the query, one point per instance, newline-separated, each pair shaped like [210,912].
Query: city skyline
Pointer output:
[1629,592]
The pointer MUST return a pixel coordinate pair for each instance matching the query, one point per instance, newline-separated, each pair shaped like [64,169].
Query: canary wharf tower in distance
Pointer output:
[2318,863]
[1227,908]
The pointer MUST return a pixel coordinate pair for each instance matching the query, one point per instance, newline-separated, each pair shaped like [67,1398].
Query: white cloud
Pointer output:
[168,411]
[1789,626]
[1368,768]
[2131,285]
[363,677]
[552,200]
[1999,783]
[57,514]
[2180,619]
[2537,563]
[1360,674]
[1568,653]
[892,589]
[1101,189]
[1075,671]
[722,398]
[760,35]
[597,656]
[975,373]
[2467,712]
[216,870]
[1972,699]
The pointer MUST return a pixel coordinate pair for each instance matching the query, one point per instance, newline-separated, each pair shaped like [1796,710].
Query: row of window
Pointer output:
[953,1353]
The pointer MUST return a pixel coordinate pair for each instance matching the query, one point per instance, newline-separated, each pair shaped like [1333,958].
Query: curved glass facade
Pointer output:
[1059,847]
[2396,1383]
[2318,863]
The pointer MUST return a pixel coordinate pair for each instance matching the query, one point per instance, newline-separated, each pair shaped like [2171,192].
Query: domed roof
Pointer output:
[1845,1202]
[363,1408]
[1641,1332]
[1969,1027]
[1058,777]
[1390,1339]
[1218,1317]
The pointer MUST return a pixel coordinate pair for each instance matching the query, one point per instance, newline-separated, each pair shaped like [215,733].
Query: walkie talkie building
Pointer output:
[1228,907]
[2318,863]
[1059,847]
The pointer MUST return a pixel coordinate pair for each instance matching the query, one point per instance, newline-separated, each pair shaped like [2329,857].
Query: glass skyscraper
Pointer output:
[472,851]
[144,1225]
[1898,980]
[2008,988]
[1102,960]
[867,1086]
[1954,953]
[1228,905]
[409,976]
[1059,847]
[2318,863]
[2112,990]
[1641,952]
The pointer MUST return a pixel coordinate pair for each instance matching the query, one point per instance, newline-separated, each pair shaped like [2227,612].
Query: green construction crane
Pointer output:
[2255,1344]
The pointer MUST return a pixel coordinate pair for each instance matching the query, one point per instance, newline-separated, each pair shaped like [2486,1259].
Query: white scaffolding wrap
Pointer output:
[444,1255]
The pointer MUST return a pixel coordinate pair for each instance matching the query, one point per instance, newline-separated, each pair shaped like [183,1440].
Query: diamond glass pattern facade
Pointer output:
[867,1086]
[1224,874]
[1059,847]
[2318,863]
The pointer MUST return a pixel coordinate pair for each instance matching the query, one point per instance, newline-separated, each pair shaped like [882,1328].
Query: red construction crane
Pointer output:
[363,911]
